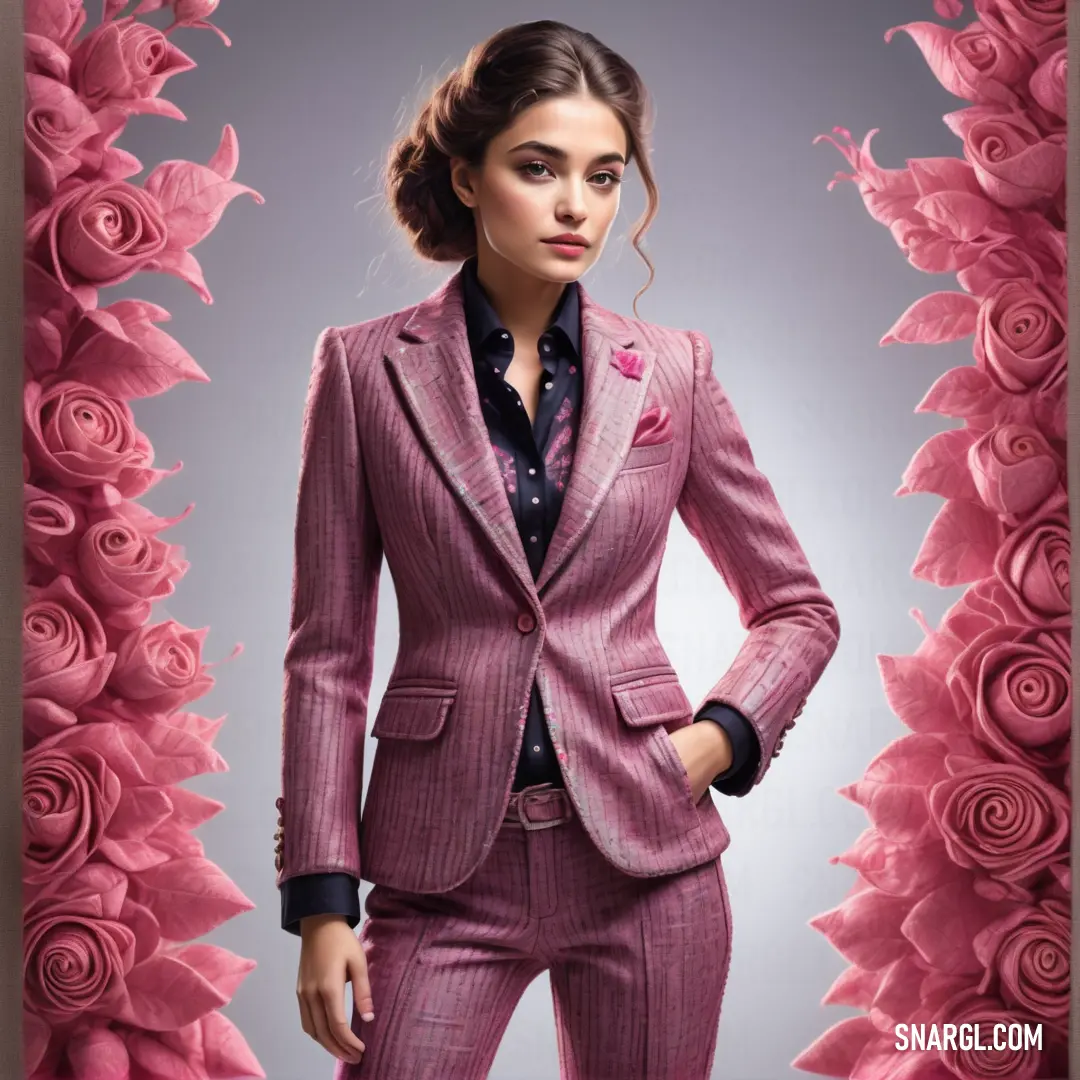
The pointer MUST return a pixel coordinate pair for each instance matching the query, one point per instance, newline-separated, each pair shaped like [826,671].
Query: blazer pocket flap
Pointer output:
[413,712]
[639,457]
[651,699]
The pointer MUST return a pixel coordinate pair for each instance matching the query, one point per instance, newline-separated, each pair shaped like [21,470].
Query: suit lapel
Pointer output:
[611,407]
[434,369]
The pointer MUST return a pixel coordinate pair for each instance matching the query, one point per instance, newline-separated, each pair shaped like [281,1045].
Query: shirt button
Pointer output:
[532,472]
[536,498]
[547,347]
[548,385]
[504,335]
[536,749]
[532,539]
[526,623]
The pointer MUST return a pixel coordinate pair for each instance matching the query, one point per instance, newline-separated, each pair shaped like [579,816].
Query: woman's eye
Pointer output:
[612,178]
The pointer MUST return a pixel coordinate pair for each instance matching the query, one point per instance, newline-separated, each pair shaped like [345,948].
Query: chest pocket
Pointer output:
[642,457]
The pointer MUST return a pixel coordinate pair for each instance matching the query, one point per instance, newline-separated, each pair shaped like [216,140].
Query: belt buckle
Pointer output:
[535,825]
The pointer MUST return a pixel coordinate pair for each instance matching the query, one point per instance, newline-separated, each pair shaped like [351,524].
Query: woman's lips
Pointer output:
[565,248]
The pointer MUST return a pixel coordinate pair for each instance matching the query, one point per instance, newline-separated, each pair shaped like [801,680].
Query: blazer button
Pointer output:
[526,623]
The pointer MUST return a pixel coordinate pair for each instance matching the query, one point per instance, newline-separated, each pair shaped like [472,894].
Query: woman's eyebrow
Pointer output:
[561,155]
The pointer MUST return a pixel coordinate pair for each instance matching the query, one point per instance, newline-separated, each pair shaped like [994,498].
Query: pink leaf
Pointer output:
[949,9]
[939,317]
[226,1050]
[149,107]
[916,694]
[835,1051]
[959,546]
[958,214]
[961,392]
[185,266]
[190,897]
[227,155]
[193,197]
[940,466]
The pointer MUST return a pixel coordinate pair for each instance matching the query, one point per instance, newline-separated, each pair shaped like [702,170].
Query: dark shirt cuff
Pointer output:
[319,894]
[746,749]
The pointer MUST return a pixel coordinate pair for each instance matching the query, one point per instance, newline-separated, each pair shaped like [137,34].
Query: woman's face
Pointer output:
[555,170]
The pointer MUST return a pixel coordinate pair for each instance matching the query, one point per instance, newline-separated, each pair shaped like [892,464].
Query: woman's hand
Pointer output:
[705,750]
[331,954]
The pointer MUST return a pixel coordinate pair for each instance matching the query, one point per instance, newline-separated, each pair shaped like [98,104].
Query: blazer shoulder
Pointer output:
[369,338]
[655,334]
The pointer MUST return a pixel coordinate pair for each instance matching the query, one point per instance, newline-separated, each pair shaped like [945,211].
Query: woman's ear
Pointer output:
[461,179]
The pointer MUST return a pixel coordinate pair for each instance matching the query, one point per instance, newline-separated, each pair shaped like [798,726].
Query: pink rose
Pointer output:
[124,60]
[974,63]
[984,606]
[161,667]
[1000,261]
[58,20]
[126,569]
[1034,22]
[100,234]
[82,437]
[56,123]
[1005,820]
[1027,954]
[1014,469]
[1012,687]
[96,948]
[78,947]
[49,526]
[70,795]
[1048,85]
[1020,339]
[1033,563]
[1015,163]
[985,1062]
[66,658]
[988,66]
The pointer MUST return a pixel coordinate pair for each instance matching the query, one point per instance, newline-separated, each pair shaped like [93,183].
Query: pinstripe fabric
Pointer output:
[397,465]
[637,965]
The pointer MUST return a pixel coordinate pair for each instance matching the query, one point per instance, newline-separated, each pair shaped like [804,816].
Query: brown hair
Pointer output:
[513,69]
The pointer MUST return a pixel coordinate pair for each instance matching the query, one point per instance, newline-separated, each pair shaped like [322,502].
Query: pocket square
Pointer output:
[653,427]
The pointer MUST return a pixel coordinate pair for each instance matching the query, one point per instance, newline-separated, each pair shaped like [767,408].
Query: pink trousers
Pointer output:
[637,965]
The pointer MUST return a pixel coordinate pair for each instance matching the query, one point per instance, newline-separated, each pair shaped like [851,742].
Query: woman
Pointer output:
[516,451]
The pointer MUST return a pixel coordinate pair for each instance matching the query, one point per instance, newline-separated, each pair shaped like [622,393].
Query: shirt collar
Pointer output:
[481,321]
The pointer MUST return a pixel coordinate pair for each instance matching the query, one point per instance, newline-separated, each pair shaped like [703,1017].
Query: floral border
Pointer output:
[961,910]
[113,983]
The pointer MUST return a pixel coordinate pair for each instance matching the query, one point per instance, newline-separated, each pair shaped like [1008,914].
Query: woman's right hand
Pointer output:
[330,955]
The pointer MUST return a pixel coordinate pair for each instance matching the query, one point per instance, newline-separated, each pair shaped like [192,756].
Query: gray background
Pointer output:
[794,286]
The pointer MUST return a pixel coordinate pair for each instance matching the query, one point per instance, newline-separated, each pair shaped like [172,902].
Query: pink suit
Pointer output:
[397,463]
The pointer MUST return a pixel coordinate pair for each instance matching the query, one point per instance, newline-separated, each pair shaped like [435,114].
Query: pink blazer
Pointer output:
[397,461]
